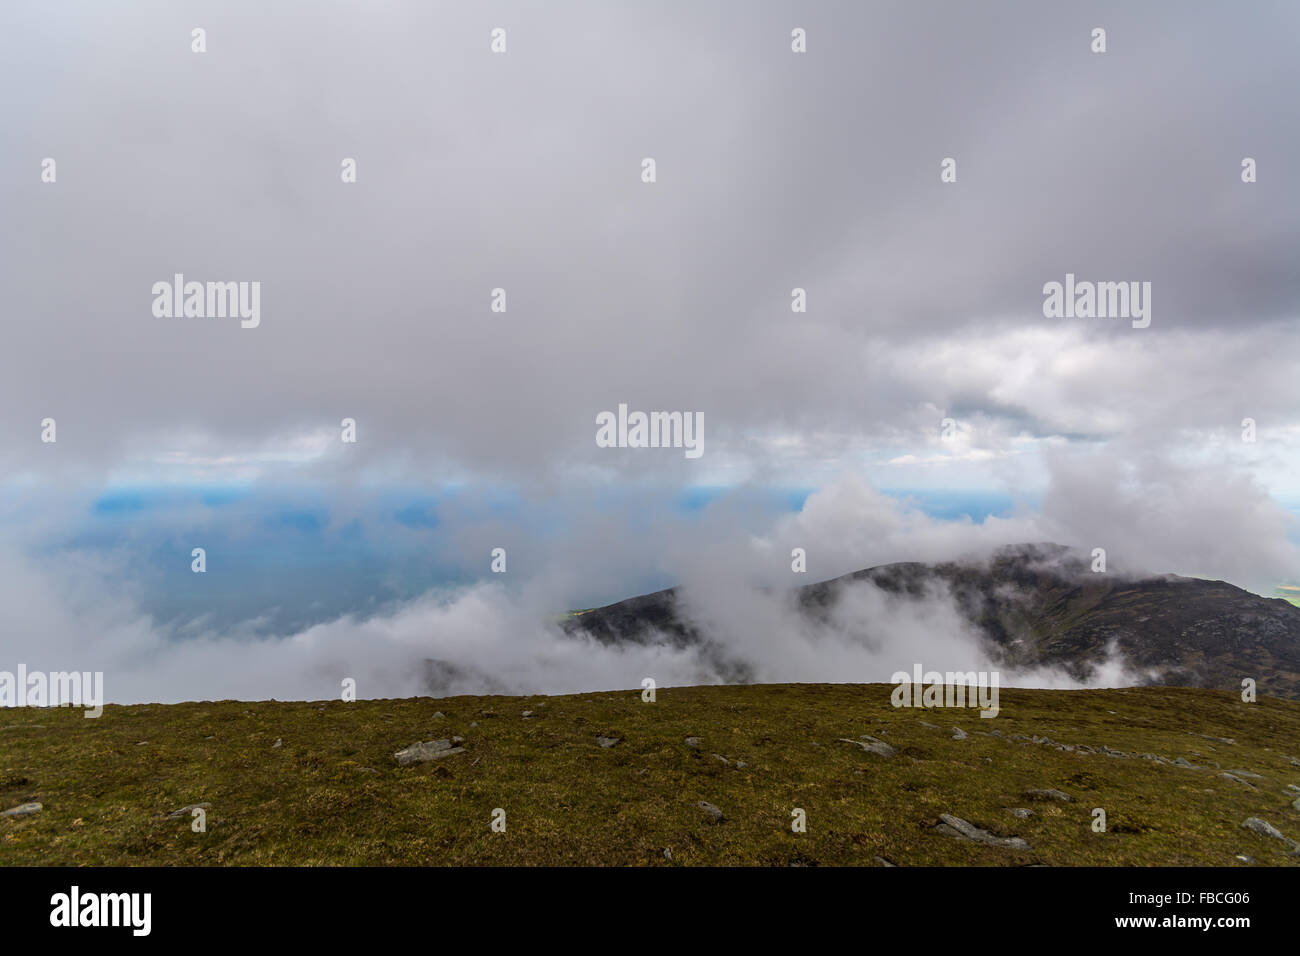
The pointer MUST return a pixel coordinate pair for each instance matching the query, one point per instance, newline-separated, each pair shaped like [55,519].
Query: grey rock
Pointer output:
[923,723]
[22,810]
[437,715]
[722,759]
[871,745]
[1048,795]
[279,742]
[528,713]
[1217,740]
[1292,786]
[881,861]
[964,830]
[1246,859]
[1236,779]
[741,765]
[668,853]
[1184,762]
[608,741]
[430,750]
[1024,813]
[693,742]
[188,810]
[958,734]
[1246,773]
[1264,828]
[1295,804]
[715,815]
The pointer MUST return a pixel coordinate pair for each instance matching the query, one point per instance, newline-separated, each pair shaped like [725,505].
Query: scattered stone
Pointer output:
[1217,740]
[1264,828]
[871,745]
[526,714]
[430,750]
[438,715]
[1048,795]
[964,830]
[1022,812]
[1295,804]
[22,810]
[880,860]
[1292,786]
[722,759]
[1246,859]
[1246,773]
[1237,779]
[188,810]
[473,723]
[741,765]
[608,741]
[1184,762]
[714,813]
[693,742]
[958,734]
[668,853]
[923,723]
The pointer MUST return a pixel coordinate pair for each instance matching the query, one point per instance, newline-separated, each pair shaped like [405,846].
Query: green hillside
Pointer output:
[332,792]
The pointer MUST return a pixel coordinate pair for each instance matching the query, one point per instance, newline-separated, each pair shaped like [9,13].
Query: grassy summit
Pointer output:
[332,792]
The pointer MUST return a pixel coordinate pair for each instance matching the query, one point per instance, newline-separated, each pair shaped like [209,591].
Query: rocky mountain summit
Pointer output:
[1041,604]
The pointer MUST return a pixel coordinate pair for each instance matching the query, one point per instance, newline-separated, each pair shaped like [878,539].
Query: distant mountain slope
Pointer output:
[1040,604]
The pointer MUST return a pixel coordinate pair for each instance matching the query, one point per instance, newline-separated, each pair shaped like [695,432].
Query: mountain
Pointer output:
[1041,604]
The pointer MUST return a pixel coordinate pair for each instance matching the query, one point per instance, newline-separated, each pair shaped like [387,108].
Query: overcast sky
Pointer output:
[522,170]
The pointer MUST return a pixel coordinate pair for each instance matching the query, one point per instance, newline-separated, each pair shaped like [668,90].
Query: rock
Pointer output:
[188,810]
[1184,762]
[526,714]
[963,830]
[1022,812]
[871,745]
[279,742]
[1246,859]
[693,742]
[1246,773]
[721,759]
[958,734]
[1048,795]
[1217,740]
[923,723]
[608,741]
[438,715]
[1264,828]
[473,723]
[715,815]
[668,853]
[22,810]
[430,750]
[1236,779]
[741,765]
[880,860]
[1295,804]
[1292,786]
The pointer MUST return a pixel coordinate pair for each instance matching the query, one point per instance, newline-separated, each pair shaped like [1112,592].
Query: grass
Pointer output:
[333,794]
